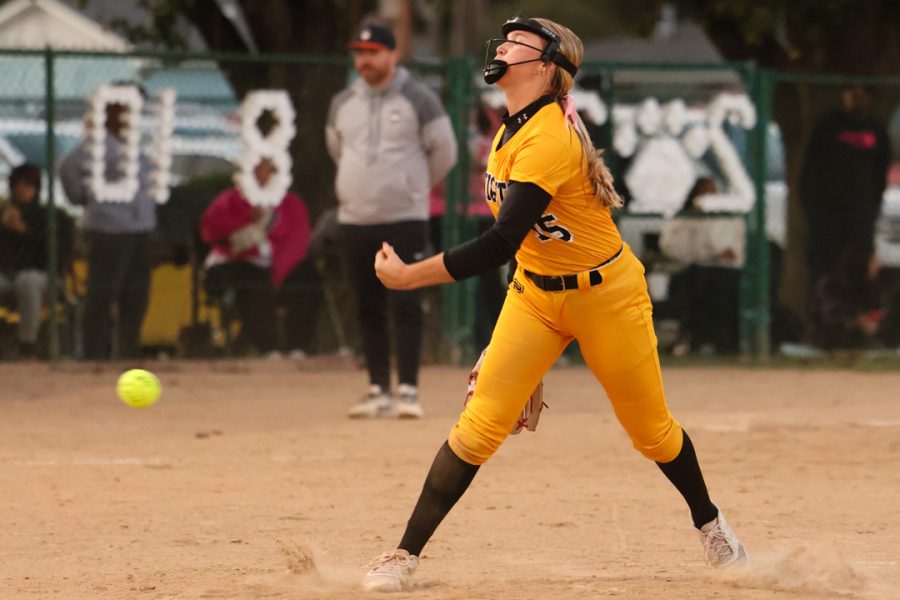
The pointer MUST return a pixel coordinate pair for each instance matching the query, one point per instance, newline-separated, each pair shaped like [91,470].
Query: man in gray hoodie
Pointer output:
[391,141]
[118,235]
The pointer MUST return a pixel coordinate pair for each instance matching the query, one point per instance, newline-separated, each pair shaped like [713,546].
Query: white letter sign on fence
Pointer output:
[665,141]
[124,188]
[161,178]
[273,146]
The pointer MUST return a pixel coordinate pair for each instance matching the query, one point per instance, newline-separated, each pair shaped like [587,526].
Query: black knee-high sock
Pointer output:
[447,480]
[684,473]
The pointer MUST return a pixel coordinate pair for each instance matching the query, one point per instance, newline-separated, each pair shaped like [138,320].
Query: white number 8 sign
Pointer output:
[273,146]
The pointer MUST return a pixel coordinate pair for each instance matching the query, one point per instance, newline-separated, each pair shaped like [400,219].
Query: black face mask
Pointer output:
[496,69]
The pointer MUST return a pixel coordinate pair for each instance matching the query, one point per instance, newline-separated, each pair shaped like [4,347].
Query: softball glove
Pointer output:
[531,413]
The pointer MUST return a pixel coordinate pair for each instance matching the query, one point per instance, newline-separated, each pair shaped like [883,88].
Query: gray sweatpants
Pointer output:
[30,287]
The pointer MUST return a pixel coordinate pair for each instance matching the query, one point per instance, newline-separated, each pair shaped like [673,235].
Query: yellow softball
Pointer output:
[138,388]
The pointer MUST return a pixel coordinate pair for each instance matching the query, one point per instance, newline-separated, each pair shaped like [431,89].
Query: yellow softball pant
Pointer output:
[612,322]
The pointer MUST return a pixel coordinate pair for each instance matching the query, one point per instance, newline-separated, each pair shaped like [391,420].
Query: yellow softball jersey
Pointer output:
[575,232]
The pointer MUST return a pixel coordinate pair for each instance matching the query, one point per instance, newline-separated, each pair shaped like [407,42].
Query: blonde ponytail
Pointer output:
[598,173]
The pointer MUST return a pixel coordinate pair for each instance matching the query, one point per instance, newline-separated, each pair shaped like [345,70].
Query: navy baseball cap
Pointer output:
[373,37]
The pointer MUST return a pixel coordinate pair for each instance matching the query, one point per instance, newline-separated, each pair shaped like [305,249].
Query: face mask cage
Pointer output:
[490,49]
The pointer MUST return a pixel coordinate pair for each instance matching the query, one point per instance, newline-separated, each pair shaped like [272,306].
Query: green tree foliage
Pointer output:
[588,19]
[810,36]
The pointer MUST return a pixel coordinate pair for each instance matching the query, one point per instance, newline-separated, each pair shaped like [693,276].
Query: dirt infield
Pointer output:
[247,481]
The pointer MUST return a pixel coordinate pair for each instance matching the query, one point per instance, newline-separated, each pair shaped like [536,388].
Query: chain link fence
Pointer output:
[694,148]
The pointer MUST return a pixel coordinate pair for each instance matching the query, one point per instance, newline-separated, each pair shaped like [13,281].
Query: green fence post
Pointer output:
[458,306]
[52,267]
[764,308]
[745,295]
[755,309]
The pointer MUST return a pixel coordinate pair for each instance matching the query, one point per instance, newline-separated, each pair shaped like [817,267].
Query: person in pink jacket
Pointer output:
[253,251]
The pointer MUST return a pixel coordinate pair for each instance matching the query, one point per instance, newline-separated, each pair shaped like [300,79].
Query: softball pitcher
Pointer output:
[551,195]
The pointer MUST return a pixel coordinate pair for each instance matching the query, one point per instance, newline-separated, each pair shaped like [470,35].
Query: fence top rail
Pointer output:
[139,53]
[620,65]
[438,65]
[830,79]
[180,56]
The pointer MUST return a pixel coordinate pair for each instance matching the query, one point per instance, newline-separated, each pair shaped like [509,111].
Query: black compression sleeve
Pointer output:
[447,479]
[523,204]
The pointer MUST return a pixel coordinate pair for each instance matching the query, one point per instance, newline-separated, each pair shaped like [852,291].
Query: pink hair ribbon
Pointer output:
[569,110]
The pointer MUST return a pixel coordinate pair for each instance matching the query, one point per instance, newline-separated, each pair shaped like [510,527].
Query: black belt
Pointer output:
[560,283]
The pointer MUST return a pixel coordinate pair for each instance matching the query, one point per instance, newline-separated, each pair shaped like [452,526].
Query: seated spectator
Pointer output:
[707,289]
[850,303]
[23,252]
[254,250]
[299,290]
